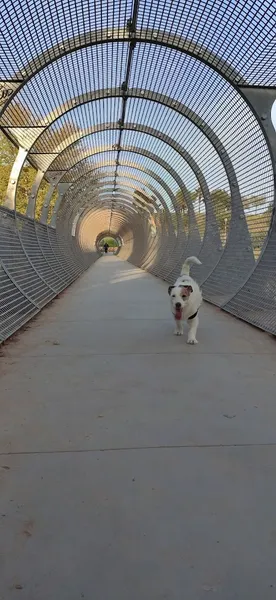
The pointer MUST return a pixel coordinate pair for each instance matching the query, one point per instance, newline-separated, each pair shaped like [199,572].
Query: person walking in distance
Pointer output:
[106,246]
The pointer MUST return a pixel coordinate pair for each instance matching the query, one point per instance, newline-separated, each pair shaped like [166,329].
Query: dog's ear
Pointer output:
[170,289]
[187,290]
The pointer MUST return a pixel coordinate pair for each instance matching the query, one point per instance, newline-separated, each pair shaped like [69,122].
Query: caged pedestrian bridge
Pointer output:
[133,466]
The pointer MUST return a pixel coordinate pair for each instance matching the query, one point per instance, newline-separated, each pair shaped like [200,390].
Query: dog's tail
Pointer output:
[192,260]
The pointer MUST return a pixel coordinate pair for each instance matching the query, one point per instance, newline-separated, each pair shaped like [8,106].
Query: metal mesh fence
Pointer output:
[148,120]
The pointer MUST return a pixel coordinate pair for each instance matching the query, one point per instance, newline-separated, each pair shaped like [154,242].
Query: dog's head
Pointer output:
[179,295]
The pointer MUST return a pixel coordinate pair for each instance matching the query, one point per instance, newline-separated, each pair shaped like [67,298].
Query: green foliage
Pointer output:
[43,190]
[7,155]
[110,241]
[257,223]
[221,202]
[51,206]
[8,152]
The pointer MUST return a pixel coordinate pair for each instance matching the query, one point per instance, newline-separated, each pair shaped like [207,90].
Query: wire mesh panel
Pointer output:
[15,306]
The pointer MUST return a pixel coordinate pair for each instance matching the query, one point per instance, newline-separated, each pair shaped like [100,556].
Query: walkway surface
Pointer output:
[133,466]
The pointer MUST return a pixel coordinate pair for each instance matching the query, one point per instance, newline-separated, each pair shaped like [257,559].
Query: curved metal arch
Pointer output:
[181,109]
[125,212]
[211,246]
[121,217]
[125,200]
[123,175]
[99,175]
[105,194]
[136,165]
[140,93]
[187,157]
[194,241]
[179,242]
[107,204]
[238,235]
[163,164]
[129,186]
[167,216]
[71,190]
[124,187]
[102,36]
[211,224]
[74,192]
[121,220]
[149,172]
[185,111]
[165,187]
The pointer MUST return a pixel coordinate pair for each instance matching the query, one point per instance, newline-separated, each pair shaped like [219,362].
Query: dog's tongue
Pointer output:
[178,313]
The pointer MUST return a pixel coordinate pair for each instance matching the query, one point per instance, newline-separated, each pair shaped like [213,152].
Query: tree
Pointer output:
[18,115]
[255,202]
[52,206]
[221,202]
[57,135]
[180,201]
[197,198]
[7,155]
[110,241]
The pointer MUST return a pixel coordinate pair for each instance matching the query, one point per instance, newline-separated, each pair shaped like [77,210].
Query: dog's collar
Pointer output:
[193,316]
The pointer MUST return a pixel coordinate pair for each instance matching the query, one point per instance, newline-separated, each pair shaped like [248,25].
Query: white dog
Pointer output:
[186,299]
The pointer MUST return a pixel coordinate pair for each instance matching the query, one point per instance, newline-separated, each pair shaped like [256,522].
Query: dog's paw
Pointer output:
[178,332]
[192,342]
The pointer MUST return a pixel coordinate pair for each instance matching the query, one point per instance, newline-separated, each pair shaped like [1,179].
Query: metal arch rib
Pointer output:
[102,36]
[194,241]
[86,198]
[238,236]
[91,171]
[211,242]
[127,176]
[173,104]
[184,111]
[130,186]
[125,200]
[142,152]
[238,232]
[169,169]
[148,171]
[85,177]
[134,187]
[154,133]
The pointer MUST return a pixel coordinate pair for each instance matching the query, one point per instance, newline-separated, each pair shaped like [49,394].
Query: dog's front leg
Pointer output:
[178,327]
[193,325]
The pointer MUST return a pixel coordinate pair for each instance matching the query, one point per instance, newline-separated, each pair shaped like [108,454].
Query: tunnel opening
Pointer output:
[108,243]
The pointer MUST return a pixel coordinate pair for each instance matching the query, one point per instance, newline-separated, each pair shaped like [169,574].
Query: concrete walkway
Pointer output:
[133,466]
